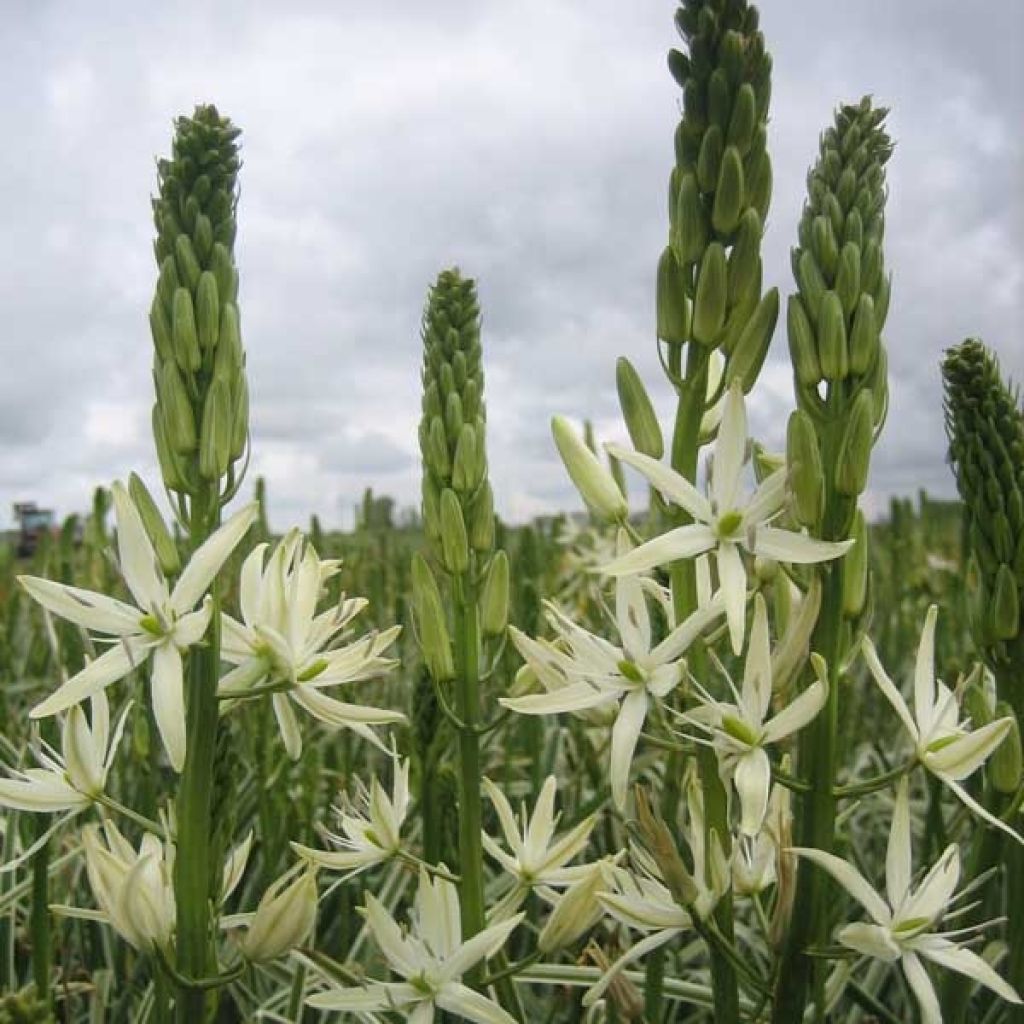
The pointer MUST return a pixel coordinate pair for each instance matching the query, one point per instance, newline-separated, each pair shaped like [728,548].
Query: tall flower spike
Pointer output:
[724,522]
[162,625]
[947,747]
[902,923]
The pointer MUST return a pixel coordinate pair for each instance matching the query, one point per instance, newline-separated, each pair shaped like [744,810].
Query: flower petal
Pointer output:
[795,715]
[168,694]
[470,1005]
[671,484]
[632,617]
[757,669]
[924,674]
[899,867]
[733,578]
[97,675]
[965,961]
[730,450]
[850,879]
[83,607]
[931,900]
[888,688]
[483,944]
[682,542]
[753,778]
[796,548]
[575,697]
[138,560]
[981,812]
[288,724]
[625,734]
[924,991]
[871,940]
[962,756]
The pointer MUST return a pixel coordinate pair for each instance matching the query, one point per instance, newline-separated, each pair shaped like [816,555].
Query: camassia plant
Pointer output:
[651,767]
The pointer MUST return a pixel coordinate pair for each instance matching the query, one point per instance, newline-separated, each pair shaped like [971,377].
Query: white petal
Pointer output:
[506,816]
[752,779]
[632,617]
[964,961]
[680,639]
[730,450]
[204,565]
[168,695]
[471,1005]
[400,953]
[289,726]
[899,867]
[250,582]
[924,991]
[575,697]
[191,627]
[850,879]
[871,940]
[40,795]
[97,675]
[682,542]
[962,756]
[733,578]
[888,687]
[766,502]
[757,669]
[625,734]
[796,548]
[795,715]
[83,607]
[924,674]
[542,822]
[973,804]
[135,552]
[931,900]
[671,484]
[483,944]
[642,948]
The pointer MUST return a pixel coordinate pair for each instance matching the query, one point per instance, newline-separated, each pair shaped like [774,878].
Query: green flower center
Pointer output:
[728,524]
[739,730]
[632,671]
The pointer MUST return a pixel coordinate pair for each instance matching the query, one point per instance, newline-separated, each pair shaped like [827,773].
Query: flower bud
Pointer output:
[436,454]
[637,410]
[855,447]
[176,409]
[712,293]
[832,349]
[803,349]
[855,570]
[745,256]
[183,332]
[576,912]
[167,283]
[160,328]
[691,235]
[673,307]
[240,419]
[743,120]
[431,508]
[465,464]
[719,94]
[481,519]
[156,529]
[207,311]
[169,469]
[747,358]
[431,626]
[215,435]
[494,599]
[202,236]
[811,284]
[806,476]
[729,195]
[863,336]
[824,245]
[188,266]
[1005,763]
[709,159]
[848,277]
[453,418]
[454,543]
[283,919]
[594,482]
[1005,607]
[660,844]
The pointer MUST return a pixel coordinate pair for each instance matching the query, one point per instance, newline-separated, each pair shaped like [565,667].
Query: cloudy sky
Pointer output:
[527,142]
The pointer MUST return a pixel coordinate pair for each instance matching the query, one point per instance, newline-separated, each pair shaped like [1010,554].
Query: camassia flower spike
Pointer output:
[162,626]
[945,746]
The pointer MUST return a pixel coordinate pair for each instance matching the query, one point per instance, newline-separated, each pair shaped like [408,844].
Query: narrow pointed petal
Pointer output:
[766,502]
[506,817]
[632,617]
[40,795]
[888,688]
[796,548]
[733,578]
[483,944]
[931,900]
[168,694]
[83,607]
[355,1000]
[964,755]
[671,484]
[249,584]
[135,552]
[642,948]
[899,868]
[981,812]
[682,542]
[393,945]
[924,991]
[966,962]
[575,697]
[730,450]
[924,674]
[97,675]
[795,715]
[470,1005]
[757,669]
[753,779]
[625,734]
[682,637]
[871,940]
[288,724]
[542,821]
[204,565]
[850,879]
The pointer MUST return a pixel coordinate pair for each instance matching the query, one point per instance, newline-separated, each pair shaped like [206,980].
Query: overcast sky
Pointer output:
[529,143]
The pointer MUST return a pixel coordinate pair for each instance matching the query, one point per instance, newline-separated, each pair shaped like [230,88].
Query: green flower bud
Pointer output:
[481,519]
[202,236]
[879,384]
[871,265]
[167,283]
[188,266]
[691,237]
[593,481]
[436,454]
[976,701]
[833,354]
[803,349]
[729,196]
[863,336]
[224,271]
[748,356]
[156,529]
[176,409]
[811,284]
[882,295]
[494,599]
[743,120]
[709,159]
[431,627]
[1005,763]
[207,311]
[183,331]
[637,410]
[229,360]
[174,479]
[824,245]
[453,421]
[160,328]
[240,419]
[759,184]
[454,542]
[673,307]
[806,476]
[215,434]
[855,570]
[855,447]
[712,292]
[745,256]
[719,99]
[848,277]
[465,465]
[1005,606]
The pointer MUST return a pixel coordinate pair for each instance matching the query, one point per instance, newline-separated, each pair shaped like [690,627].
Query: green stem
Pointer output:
[1013,852]
[193,870]
[40,917]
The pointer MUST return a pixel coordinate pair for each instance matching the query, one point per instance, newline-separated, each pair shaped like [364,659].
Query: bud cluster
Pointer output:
[709,276]
[201,415]
[985,425]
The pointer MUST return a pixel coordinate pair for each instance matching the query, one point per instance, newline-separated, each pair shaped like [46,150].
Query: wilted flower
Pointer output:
[163,625]
[283,644]
[431,958]
[901,924]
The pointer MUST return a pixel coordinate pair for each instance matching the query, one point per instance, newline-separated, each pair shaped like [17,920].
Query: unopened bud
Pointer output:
[743,119]
[637,410]
[854,457]
[207,310]
[691,234]
[863,336]
[225,272]
[594,482]
[658,840]
[431,626]
[748,356]
[215,435]
[824,244]
[188,266]
[1005,615]
[284,918]
[454,542]
[494,599]
[712,293]
[481,519]
[240,419]
[745,256]
[673,307]
[176,409]
[848,277]
[803,349]
[709,159]
[436,454]
[806,476]
[855,569]
[169,469]
[156,529]
[729,195]
[1005,764]
[160,328]
[167,283]
[183,332]
[833,354]
[465,462]
[576,912]
[811,284]
[202,236]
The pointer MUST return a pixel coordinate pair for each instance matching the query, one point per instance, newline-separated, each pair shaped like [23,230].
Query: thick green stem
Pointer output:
[1012,685]
[40,919]
[193,868]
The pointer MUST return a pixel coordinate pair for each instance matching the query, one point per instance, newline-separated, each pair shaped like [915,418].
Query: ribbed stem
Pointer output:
[40,918]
